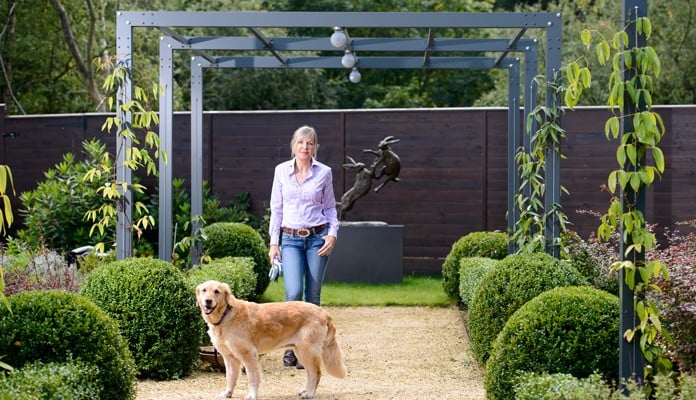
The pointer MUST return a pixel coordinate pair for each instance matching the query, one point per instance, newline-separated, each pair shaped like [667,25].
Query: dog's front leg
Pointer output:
[232,367]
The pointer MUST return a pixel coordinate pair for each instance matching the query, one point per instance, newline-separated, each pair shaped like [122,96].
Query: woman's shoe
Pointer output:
[289,359]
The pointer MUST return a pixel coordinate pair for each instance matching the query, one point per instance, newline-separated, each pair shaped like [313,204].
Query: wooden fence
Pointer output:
[454,164]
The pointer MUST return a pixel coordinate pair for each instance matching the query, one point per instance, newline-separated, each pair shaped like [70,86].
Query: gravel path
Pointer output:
[390,352]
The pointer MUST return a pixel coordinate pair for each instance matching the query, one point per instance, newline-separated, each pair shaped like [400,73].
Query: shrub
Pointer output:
[42,269]
[234,239]
[532,386]
[564,330]
[52,381]
[559,386]
[54,212]
[213,211]
[593,259]
[476,244]
[678,297]
[57,326]
[156,311]
[471,271]
[237,272]
[512,282]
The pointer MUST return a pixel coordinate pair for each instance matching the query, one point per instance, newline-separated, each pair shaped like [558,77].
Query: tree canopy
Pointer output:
[49,50]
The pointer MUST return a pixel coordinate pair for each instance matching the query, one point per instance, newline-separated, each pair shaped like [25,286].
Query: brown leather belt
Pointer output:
[304,232]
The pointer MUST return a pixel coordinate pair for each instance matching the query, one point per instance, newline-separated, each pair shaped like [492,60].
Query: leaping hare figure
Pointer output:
[362,185]
[391,164]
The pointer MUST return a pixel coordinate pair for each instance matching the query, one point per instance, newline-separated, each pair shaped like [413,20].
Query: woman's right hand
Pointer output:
[274,252]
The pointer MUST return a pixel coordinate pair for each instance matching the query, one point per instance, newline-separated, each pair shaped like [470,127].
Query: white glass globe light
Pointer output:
[348,60]
[338,38]
[355,76]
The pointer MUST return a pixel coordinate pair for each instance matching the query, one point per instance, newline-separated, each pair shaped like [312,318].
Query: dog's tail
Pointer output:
[332,356]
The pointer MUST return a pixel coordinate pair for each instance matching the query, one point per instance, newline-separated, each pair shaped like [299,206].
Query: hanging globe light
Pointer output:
[348,60]
[355,76]
[338,37]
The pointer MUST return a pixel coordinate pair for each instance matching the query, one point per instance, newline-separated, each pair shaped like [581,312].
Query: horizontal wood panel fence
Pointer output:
[454,164]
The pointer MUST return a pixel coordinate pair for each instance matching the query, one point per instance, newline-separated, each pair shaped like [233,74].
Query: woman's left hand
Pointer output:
[327,248]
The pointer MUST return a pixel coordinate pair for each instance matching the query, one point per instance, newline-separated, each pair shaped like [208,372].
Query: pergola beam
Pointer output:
[511,44]
[267,45]
[280,19]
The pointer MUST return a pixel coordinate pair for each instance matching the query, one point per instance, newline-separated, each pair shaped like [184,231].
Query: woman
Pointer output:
[303,224]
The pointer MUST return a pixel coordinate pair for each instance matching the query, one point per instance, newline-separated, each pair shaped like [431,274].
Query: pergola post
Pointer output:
[630,355]
[124,51]
[552,194]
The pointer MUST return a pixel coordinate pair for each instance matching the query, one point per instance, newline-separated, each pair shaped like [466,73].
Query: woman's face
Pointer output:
[304,148]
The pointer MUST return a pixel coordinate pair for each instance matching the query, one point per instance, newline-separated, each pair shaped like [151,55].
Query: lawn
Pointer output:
[415,290]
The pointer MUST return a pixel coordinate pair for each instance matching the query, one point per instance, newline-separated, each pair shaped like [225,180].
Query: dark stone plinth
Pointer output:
[369,252]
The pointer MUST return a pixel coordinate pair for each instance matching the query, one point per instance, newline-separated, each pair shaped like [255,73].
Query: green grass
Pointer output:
[413,291]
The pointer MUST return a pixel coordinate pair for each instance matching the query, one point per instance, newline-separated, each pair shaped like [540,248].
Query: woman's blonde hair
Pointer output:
[305,131]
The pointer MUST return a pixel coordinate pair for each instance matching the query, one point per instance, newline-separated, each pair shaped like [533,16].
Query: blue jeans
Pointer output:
[302,263]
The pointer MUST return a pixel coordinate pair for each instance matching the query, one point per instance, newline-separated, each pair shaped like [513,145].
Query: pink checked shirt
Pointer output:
[305,205]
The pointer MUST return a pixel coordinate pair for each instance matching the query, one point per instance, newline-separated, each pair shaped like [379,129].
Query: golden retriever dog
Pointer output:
[241,330]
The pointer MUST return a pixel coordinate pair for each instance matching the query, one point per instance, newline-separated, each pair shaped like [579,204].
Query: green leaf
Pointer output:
[616,41]
[659,159]
[645,177]
[586,37]
[647,97]
[611,182]
[612,127]
[635,182]
[654,60]
[624,177]
[632,154]
[586,77]
[569,100]
[621,155]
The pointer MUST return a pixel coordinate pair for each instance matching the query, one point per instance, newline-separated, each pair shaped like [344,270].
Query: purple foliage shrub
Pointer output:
[678,297]
[40,270]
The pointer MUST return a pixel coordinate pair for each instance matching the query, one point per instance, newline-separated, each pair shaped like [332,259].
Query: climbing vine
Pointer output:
[528,235]
[130,118]
[640,162]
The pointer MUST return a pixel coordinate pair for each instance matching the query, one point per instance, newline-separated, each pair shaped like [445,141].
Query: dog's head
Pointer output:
[213,298]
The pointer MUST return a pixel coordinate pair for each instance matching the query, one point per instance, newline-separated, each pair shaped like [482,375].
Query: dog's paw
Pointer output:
[225,394]
[250,397]
[305,394]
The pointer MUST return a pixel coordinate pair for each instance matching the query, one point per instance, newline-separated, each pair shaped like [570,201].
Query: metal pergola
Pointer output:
[428,52]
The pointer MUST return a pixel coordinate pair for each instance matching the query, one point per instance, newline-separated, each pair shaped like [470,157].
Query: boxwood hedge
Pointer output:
[509,284]
[572,330]
[156,311]
[58,326]
[237,272]
[475,244]
[234,239]
[471,272]
[52,381]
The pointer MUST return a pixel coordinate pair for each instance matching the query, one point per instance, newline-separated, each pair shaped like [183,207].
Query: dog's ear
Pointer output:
[229,297]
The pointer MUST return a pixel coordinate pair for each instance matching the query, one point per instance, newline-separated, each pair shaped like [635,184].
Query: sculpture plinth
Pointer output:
[367,252]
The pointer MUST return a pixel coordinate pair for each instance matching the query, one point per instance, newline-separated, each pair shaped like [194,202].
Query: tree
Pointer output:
[48,73]
[671,39]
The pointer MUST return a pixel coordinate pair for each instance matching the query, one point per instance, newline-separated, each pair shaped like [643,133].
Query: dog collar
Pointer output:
[224,314]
